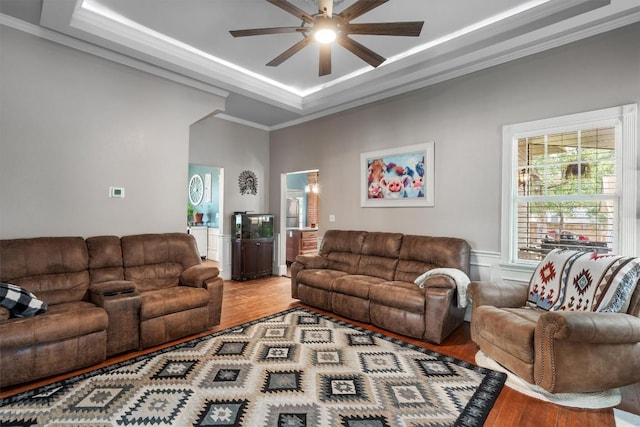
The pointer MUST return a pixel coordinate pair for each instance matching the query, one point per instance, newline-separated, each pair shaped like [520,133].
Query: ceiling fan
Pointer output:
[326,26]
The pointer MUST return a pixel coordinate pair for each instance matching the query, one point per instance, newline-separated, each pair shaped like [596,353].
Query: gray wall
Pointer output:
[72,124]
[464,118]
[235,148]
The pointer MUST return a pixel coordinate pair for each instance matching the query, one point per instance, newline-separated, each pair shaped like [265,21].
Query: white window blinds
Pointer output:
[566,192]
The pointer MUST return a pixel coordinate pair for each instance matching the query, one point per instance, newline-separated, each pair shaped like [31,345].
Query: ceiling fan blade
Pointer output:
[290,52]
[292,9]
[263,31]
[325,59]
[364,53]
[410,29]
[360,8]
[325,6]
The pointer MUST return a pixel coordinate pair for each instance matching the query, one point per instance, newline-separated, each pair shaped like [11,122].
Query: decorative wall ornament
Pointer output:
[196,190]
[248,183]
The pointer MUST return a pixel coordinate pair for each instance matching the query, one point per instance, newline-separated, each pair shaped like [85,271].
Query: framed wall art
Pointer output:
[248,182]
[398,176]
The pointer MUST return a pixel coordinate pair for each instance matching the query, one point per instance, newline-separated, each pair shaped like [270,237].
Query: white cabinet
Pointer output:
[213,242]
[200,234]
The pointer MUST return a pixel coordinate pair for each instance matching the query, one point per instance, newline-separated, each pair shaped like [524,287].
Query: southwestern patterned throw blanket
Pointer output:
[584,281]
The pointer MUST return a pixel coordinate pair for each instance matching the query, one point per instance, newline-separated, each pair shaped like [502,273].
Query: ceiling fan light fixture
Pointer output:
[325,35]
[326,27]
[325,30]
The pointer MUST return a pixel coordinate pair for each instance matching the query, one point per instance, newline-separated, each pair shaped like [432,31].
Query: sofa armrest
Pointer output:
[312,261]
[215,287]
[597,328]
[584,351]
[206,277]
[111,288]
[442,312]
[439,281]
[498,294]
[121,301]
[198,275]
[303,262]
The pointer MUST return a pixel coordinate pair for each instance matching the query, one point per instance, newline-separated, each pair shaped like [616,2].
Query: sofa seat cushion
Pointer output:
[60,322]
[356,285]
[171,300]
[319,278]
[400,295]
[509,329]
[143,287]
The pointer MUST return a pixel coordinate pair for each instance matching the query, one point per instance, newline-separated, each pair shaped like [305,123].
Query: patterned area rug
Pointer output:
[295,368]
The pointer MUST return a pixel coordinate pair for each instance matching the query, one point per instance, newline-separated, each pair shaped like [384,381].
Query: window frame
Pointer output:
[624,120]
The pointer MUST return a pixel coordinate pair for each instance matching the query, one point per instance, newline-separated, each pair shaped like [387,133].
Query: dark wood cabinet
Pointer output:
[251,258]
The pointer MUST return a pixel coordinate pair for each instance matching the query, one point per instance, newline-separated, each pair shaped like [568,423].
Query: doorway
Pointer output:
[204,209]
[302,199]
[300,220]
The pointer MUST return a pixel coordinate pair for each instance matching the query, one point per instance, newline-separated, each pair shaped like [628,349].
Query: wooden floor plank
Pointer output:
[250,300]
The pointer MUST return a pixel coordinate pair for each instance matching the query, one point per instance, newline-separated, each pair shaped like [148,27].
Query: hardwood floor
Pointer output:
[246,301]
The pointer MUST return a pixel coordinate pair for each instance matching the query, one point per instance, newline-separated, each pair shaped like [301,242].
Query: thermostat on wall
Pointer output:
[116,192]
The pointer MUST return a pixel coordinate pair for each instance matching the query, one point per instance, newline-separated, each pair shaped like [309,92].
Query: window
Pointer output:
[570,182]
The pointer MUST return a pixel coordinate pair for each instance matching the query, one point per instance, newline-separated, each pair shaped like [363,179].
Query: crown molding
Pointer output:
[502,53]
[240,121]
[127,43]
[110,55]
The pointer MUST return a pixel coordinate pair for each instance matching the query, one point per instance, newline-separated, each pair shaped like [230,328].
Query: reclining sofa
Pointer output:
[369,277]
[104,295]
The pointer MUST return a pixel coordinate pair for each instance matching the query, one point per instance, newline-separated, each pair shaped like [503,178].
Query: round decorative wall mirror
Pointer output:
[196,189]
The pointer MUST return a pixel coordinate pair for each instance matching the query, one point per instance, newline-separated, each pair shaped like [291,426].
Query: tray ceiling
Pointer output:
[190,39]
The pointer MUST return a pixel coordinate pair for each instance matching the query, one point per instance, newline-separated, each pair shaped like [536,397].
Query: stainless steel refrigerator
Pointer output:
[293,213]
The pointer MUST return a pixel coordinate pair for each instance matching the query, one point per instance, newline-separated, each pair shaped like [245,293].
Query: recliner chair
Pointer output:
[575,328]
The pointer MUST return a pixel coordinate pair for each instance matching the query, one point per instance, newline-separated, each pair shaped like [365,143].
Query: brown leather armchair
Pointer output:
[560,351]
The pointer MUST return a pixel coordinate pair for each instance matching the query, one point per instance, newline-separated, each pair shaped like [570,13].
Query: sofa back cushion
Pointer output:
[380,252]
[342,248]
[419,254]
[569,280]
[154,261]
[55,269]
[105,259]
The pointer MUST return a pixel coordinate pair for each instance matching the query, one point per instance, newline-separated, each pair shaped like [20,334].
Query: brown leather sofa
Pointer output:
[105,295]
[369,277]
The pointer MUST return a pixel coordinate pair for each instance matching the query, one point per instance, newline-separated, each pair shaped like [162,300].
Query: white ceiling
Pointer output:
[191,40]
